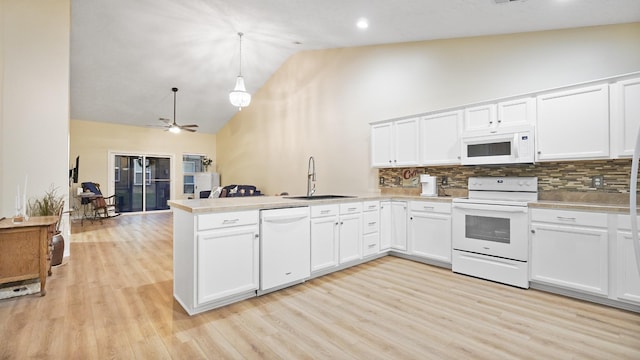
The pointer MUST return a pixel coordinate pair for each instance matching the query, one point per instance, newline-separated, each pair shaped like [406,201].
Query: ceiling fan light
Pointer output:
[239,96]
[174,129]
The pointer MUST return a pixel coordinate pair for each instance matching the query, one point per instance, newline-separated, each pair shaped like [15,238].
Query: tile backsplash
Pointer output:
[566,176]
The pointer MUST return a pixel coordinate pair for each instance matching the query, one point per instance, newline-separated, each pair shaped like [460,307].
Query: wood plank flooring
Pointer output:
[113,300]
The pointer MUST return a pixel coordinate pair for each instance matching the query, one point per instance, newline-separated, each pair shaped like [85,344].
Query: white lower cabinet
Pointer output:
[227,262]
[430,230]
[324,237]
[216,258]
[627,276]
[370,228]
[393,225]
[569,249]
[350,232]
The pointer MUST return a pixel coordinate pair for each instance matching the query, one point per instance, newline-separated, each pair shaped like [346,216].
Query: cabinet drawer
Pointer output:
[569,217]
[624,222]
[324,210]
[350,208]
[371,244]
[439,207]
[370,205]
[370,222]
[222,220]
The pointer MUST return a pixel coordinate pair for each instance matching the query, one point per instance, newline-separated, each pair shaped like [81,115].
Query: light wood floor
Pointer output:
[113,299]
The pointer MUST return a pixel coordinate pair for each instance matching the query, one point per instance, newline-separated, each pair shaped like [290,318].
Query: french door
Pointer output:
[141,182]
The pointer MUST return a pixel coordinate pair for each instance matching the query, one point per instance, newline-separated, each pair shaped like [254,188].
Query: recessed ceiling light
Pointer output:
[362,23]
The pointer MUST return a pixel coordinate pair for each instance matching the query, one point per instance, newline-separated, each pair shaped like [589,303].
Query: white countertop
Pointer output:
[273,202]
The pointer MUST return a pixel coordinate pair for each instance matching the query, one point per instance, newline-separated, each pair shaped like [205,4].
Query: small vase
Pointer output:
[58,249]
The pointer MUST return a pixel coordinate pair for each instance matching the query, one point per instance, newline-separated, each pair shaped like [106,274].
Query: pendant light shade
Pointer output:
[239,96]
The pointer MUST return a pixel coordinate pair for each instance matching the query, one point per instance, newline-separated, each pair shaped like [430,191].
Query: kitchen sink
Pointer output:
[318,197]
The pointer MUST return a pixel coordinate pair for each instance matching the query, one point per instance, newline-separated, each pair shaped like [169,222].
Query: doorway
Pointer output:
[142,182]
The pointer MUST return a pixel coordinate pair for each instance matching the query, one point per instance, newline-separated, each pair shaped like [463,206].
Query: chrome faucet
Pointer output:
[311,176]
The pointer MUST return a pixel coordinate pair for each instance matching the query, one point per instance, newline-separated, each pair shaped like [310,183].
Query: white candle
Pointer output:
[18,198]
[24,195]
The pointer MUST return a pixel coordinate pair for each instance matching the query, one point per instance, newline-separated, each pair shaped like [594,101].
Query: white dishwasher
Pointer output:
[285,247]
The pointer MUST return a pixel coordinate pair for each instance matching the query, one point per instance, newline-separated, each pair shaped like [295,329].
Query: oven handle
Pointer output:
[503,208]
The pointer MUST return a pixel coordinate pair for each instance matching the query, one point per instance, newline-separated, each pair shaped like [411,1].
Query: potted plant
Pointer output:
[46,205]
[206,162]
[50,204]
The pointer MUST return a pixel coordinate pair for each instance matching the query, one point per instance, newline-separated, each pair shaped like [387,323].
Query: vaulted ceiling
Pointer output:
[127,55]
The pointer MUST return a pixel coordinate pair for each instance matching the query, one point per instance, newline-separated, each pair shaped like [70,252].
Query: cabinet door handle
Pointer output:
[372,223]
[428,207]
[352,209]
[533,231]
[371,245]
[324,211]
[563,218]
[230,221]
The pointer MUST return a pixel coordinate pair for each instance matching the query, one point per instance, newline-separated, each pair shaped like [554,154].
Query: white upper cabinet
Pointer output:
[517,112]
[481,117]
[406,142]
[492,117]
[573,124]
[440,138]
[625,116]
[382,145]
[395,143]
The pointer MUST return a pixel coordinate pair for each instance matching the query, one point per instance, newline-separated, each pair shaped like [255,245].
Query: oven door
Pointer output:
[496,230]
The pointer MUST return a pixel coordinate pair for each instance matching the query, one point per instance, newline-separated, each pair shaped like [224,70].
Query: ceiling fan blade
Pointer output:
[168,121]
[190,130]
[193,125]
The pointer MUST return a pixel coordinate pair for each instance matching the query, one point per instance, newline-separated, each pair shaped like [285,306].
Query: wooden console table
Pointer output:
[25,250]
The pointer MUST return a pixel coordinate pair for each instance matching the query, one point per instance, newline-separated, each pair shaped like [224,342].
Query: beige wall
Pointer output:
[34,92]
[94,141]
[320,102]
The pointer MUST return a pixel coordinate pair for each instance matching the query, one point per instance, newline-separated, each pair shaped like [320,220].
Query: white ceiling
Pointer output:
[126,55]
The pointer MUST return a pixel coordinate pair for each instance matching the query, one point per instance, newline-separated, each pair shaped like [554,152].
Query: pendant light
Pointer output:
[239,96]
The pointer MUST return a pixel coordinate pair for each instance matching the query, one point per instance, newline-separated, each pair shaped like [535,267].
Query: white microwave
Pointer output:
[504,147]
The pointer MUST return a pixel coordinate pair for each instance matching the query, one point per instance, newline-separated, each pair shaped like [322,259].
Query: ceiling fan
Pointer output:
[172,126]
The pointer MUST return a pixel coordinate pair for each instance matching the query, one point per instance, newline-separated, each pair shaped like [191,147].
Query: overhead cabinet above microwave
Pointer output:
[496,116]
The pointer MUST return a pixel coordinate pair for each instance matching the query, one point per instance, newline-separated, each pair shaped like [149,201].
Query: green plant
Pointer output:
[46,205]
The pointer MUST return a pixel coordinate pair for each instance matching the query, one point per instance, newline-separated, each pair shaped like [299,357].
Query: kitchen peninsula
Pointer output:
[222,255]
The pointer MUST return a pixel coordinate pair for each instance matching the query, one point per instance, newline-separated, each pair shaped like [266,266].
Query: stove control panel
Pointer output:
[509,183]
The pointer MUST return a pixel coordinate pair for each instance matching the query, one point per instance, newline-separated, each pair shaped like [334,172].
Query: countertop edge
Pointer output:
[200,206]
